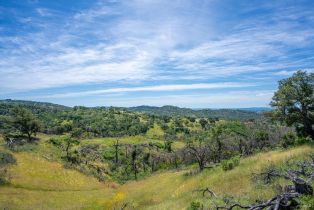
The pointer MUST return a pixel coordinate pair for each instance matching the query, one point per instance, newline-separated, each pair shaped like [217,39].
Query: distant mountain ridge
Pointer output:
[251,109]
[167,110]
[33,103]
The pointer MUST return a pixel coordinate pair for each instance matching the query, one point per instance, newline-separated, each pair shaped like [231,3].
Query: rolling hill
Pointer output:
[228,114]
[39,183]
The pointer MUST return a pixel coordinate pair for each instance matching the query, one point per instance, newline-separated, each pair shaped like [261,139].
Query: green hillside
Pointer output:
[38,183]
[227,114]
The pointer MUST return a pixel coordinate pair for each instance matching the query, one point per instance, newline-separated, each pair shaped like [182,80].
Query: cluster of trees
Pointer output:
[85,122]
[121,161]
[223,142]
[173,111]
[228,139]
[99,122]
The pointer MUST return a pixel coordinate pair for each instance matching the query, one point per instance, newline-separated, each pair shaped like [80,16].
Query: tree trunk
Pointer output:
[219,149]
[308,129]
[67,151]
[29,136]
[201,165]
[116,153]
[176,161]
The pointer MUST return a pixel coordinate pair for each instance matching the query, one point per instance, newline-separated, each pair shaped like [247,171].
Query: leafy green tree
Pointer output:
[69,142]
[25,122]
[203,123]
[199,147]
[262,139]
[294,102]
[66,125]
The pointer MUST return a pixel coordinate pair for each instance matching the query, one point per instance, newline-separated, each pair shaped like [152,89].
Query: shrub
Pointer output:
[303,140]
[195,205]
[307,202]
[4,176]
[56,141]
[288,140]
[231,163]
[6,158]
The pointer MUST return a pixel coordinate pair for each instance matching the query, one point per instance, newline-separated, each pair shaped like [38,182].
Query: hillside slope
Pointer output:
[176,190]
[41,184]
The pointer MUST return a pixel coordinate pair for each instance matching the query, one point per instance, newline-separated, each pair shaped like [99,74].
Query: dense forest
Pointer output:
[114,121]
[119,144]
[226,114]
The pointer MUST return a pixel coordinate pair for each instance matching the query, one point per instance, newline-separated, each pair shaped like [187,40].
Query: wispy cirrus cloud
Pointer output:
[173,87]
[162,42]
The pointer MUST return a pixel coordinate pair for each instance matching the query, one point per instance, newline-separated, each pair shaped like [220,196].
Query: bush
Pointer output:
[56,141]
[6,158]
[4,176]
[307,202]
[303,140]
[231,163]
[288,140]
[195,205]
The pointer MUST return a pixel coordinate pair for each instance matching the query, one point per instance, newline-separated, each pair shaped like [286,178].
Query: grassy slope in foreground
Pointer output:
[173,190]
[41,184]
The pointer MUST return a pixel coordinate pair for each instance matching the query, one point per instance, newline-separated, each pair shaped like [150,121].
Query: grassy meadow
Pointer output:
[41,182]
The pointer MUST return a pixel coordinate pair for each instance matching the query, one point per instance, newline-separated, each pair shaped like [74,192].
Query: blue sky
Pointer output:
[200,53]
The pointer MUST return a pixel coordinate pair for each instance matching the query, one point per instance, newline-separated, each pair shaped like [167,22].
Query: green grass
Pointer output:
[34,172]
[38,183]
[107,141]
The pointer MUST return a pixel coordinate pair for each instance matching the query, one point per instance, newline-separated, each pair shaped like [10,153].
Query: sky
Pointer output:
[187,53]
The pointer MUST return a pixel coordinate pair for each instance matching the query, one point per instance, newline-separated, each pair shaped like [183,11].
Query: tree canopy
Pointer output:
[294,102]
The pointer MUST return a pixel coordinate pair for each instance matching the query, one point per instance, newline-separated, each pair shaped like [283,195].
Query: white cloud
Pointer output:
[174,87]
[139,41]
[44,12]
[228,99]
